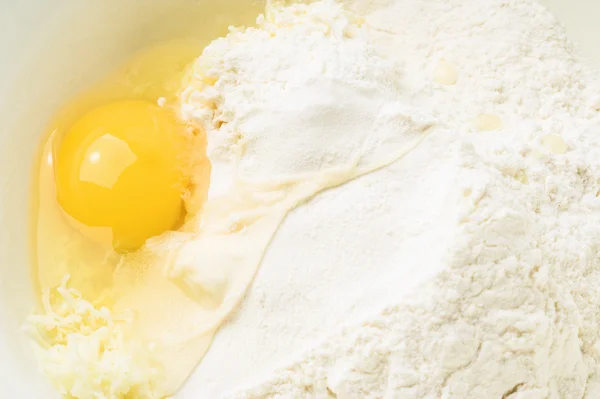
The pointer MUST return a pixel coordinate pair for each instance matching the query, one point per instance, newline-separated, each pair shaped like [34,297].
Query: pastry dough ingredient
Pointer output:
[120,166]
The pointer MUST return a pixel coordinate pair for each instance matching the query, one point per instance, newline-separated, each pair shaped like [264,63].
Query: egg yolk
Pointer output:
[119,167]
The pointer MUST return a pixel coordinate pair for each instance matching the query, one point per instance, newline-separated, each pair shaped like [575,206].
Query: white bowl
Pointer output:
[52,49]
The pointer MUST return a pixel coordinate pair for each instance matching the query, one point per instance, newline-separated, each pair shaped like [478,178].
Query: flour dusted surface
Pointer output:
[469,269]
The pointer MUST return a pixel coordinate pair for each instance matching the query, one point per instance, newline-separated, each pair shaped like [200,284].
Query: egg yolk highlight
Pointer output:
[119,166]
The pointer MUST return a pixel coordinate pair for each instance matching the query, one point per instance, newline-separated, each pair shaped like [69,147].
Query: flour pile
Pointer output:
[467,269]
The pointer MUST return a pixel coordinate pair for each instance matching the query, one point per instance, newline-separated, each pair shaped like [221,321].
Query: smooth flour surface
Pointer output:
[468,268]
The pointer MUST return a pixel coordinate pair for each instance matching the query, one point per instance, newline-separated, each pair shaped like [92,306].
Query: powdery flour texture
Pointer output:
[472,268]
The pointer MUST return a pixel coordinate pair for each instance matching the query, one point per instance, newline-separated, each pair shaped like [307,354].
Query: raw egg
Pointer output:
[118,167]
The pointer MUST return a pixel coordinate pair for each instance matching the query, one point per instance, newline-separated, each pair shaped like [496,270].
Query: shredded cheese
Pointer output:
[85,353]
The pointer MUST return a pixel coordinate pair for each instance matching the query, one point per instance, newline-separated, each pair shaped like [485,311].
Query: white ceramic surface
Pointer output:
[50,50]
[581,19]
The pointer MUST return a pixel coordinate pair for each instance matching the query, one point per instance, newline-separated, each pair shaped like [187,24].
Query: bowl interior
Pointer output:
[55,49]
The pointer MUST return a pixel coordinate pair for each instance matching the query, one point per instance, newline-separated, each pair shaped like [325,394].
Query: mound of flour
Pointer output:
[469,268]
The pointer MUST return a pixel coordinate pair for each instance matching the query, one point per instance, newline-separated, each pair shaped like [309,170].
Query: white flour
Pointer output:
[468,269]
